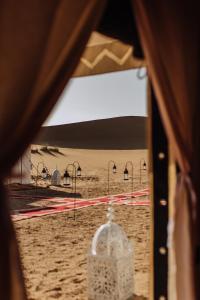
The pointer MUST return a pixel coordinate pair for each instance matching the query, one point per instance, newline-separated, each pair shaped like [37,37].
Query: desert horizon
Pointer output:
[101,134]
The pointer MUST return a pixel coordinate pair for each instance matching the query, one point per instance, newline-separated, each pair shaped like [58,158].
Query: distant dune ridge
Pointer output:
[121,133]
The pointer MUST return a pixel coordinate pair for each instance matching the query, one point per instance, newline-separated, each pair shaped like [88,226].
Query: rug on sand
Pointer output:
[68,204]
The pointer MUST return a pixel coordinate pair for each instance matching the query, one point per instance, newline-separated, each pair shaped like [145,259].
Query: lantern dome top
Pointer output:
[110,240]
[56,172]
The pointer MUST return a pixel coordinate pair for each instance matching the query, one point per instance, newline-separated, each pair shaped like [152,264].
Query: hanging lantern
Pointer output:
[144,166]
[66,178]
[110,263]
[44,173]
[126,174]
[114,169]
[79,171]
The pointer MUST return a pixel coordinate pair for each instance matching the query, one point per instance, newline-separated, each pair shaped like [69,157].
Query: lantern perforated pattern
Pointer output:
[56,178]
[110,265]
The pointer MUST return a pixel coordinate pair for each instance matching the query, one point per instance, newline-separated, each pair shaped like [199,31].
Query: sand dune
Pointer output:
[116,133]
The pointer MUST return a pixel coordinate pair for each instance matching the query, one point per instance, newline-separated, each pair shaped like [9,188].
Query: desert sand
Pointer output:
[54,248]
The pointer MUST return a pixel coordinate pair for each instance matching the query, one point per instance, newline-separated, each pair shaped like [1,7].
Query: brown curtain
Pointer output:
[40,46]
[170,37]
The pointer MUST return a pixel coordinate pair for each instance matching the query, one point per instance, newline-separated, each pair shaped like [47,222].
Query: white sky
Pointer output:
[100,97]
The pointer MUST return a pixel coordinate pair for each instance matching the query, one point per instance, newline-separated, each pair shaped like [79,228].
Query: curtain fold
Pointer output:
[170,38]
[40,45]
[11,280]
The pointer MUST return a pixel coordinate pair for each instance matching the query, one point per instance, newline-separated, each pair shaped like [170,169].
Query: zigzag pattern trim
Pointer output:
[109,54]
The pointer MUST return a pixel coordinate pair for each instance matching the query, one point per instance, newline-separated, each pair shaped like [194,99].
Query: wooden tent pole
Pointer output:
[160,203]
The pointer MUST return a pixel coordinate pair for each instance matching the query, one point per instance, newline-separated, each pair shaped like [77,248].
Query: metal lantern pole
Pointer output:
[76,172]
[142,160]
[73,178]
[67,168]
[66,177]
[114,171]
[75,192]
[126,173]
[37,171]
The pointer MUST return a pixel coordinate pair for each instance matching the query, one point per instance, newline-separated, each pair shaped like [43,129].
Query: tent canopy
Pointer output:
[104,54]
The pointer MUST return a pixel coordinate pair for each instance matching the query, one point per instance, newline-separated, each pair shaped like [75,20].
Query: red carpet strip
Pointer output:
[69,204]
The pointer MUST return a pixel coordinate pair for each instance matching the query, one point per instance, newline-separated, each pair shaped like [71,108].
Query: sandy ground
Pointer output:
[94,165]
[54,248]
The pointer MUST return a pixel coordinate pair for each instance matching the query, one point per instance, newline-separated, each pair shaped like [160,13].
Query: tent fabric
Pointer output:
[120,49]
[170,39]
[104,54]
[118,21]
[41,43]
[35,58]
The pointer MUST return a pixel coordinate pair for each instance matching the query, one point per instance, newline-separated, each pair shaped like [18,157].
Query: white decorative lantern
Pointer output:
[56,178]
[110,264]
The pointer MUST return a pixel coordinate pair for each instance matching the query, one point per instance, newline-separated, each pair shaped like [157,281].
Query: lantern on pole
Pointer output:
[66,178]
[126,174]
[114,171]
[44,173]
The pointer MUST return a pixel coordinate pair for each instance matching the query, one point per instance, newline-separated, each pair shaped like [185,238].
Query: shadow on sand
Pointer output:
[28,196]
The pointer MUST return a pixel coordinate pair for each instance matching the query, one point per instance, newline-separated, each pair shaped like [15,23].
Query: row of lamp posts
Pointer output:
[76,172]
[143,167]
[67,179]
